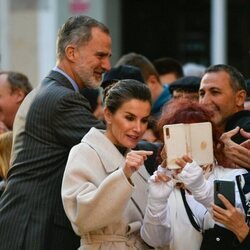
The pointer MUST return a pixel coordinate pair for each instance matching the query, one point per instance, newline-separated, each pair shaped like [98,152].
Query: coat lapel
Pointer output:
[111,158]
[58,77]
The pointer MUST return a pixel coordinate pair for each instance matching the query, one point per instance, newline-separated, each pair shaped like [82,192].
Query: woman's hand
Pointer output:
[190,174]
[182,162]
[231,217]
[160,185]
[134,160]
[161,175]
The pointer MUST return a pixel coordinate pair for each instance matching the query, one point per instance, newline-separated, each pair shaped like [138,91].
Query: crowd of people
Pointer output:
[82,158]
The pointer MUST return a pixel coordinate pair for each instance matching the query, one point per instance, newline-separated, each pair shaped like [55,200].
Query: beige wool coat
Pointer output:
[104,208]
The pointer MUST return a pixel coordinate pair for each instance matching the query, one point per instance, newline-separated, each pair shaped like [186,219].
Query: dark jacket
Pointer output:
[220,238]
[51,120]
[245,245]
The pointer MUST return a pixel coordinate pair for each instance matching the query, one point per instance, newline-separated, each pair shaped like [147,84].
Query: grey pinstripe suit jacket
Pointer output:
[51,120]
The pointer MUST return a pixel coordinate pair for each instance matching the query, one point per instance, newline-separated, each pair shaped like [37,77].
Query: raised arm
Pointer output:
[156,229]
[191,174]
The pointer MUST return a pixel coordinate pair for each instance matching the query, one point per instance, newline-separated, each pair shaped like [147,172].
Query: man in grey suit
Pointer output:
[53,118]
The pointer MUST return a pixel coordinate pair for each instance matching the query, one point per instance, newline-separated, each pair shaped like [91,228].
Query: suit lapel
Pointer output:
[58,77]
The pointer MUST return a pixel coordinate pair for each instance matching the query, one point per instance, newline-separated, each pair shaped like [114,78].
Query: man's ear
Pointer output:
[70,52]
[240,97]
[20,95]
[152,83]
[107,115]
[152,79]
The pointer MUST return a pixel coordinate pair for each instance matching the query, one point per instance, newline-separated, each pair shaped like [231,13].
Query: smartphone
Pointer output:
[194,140]
[226,188]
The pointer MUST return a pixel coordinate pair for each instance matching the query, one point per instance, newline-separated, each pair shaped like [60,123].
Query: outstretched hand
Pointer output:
[134,160]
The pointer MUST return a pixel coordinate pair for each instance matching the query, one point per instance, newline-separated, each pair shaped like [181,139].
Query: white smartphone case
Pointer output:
[194,140]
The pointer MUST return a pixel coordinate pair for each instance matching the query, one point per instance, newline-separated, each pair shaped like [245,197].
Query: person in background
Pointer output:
[223,90]
[186,87]
[169,69]
[104,185]
[5,152]
[14,87]
[122,72]
[152,133]
[50,121]
[193,69]
[94,97]
[159,92]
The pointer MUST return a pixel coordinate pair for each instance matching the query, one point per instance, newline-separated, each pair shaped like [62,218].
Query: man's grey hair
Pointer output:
[237,80]
[76,30]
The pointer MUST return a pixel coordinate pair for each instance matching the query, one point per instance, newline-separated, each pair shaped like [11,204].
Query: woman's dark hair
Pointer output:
[122,91]
[186,111]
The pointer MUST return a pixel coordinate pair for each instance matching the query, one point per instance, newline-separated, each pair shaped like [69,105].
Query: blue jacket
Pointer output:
[160,102]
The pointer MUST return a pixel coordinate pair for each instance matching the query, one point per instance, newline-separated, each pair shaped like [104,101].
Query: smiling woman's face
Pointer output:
[127,125]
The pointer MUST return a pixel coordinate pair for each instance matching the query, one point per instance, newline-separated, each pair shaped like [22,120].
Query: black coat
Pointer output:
[220,238]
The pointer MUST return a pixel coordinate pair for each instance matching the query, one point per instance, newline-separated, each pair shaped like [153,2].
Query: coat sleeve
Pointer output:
[156,229]
[245,245]
[193,178]
[90,206]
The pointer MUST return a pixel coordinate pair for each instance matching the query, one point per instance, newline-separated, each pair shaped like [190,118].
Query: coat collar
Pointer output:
[60,78]
[109,155]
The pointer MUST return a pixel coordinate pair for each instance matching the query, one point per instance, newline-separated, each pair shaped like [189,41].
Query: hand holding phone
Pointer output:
[226,188]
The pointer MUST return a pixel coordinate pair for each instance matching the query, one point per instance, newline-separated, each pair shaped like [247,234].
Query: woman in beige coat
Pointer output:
[105,182]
